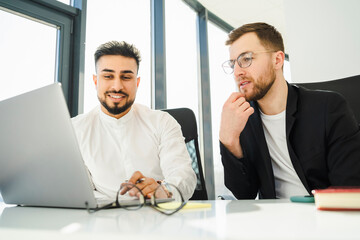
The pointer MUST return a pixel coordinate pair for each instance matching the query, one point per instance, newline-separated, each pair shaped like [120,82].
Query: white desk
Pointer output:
[246,219]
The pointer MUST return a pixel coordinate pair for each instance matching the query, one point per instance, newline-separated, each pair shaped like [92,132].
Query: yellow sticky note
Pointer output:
[192,205]
[188,205]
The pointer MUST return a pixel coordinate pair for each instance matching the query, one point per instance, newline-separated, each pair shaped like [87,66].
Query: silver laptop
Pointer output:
[40,162]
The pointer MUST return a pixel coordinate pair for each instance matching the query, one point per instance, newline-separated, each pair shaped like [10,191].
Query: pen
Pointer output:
[140,180]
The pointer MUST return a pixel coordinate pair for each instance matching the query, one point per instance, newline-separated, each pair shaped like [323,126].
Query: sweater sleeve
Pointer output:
[240,175]
[175,160]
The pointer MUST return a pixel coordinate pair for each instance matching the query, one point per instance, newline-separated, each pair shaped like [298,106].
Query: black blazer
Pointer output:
[323,139]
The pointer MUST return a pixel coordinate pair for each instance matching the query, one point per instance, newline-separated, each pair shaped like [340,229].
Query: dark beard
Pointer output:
[116,109]
[261,88]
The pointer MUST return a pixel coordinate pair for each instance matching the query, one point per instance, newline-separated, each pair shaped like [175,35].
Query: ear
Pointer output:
[95,80]
[279,59]
[138,82]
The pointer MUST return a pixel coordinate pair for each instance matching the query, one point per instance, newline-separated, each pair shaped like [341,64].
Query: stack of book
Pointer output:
[337,198]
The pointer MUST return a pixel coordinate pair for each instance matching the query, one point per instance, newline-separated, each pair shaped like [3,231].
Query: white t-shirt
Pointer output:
[287,182]
[145,140]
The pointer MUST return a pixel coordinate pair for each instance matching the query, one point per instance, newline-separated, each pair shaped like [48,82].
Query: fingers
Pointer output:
[235,96]
[161,192]
[130,189]
[128,185]
[234,116]
[146,185]
[149,187]
[124,188]
[244,106]
[249,110]
[237,102]
[241,101]
[136,177]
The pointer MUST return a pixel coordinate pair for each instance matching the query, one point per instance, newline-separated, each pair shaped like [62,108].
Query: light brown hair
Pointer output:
[267,34]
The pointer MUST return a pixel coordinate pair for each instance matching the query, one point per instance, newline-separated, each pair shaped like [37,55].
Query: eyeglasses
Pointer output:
[244,60]
[166,199]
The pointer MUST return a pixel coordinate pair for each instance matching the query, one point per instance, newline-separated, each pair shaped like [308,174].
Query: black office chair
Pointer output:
[347,87]
[186,118]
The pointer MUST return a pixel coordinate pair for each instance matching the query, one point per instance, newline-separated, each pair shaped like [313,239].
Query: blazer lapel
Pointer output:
[291,110]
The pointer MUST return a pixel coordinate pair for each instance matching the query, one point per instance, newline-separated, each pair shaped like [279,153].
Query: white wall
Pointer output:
[323,39]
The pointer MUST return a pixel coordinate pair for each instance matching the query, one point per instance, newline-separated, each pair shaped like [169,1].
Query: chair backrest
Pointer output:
[186,118]
[347,87]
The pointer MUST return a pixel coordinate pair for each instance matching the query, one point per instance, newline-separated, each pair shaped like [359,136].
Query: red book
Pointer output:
[337,198]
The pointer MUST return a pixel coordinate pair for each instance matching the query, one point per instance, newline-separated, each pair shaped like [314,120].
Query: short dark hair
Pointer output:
[267,34]
[118,48]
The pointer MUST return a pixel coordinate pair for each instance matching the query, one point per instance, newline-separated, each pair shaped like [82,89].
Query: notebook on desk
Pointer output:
[40,162]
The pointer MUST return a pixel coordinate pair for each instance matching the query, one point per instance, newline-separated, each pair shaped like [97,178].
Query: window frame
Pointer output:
[70,24]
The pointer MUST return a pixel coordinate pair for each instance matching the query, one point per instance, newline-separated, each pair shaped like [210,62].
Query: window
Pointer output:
[181,56]
[41,36]
[28,53]
[222,85]
[287,72]
[123,21]
[64,1]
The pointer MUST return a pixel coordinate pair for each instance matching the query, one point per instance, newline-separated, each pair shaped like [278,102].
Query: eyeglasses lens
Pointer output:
[228,66]
[168,199]
[130,197]
[245,59]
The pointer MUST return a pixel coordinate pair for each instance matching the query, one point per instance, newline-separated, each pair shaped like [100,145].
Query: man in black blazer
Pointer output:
[278,139]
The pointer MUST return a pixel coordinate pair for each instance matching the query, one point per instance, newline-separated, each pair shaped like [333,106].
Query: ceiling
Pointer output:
[239,12]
